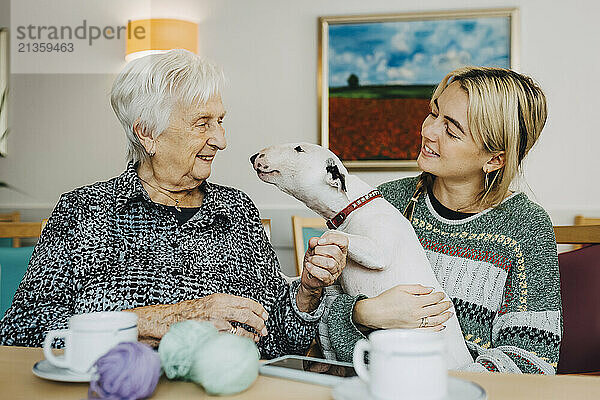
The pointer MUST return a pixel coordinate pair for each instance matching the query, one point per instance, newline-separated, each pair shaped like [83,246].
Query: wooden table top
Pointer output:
[18,382]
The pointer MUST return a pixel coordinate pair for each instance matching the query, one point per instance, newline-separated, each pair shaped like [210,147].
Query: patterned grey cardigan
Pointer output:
[108,247]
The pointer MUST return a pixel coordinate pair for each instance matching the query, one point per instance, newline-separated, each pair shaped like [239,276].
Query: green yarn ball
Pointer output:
[179,346]
[226,364]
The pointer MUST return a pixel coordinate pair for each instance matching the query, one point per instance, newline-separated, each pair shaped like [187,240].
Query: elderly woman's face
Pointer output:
[186,149]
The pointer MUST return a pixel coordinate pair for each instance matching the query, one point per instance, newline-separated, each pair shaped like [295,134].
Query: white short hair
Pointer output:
[148,89]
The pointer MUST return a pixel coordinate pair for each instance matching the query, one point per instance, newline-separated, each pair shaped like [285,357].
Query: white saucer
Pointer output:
[458,389]
[45,370]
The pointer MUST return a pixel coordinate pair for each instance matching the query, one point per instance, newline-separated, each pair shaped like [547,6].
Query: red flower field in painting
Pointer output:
[376,129]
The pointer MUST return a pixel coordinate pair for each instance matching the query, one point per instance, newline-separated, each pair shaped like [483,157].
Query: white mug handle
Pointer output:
[358,359]
[52,359]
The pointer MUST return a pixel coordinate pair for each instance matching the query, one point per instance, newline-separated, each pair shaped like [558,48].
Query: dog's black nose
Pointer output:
[253,158]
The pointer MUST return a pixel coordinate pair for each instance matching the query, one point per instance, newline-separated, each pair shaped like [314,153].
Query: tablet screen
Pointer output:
[318,366]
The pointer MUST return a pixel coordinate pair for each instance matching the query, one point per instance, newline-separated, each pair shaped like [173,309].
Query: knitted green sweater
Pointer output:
[500,268]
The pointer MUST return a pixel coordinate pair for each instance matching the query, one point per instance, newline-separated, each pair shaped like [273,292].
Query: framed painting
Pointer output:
[377,74]
[3,90]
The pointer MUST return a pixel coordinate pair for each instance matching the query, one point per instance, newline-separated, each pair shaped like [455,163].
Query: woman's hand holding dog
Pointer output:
[404,306]
[323,263]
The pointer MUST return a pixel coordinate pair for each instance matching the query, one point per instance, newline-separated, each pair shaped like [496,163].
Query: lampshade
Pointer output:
[157,35]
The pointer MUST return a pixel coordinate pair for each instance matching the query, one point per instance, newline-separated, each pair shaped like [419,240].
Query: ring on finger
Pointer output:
[233,330]
[423,322]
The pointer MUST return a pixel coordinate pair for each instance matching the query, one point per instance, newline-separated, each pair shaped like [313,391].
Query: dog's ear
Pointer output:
[334,177]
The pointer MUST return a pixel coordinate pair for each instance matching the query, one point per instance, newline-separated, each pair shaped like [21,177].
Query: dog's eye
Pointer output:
[299,149]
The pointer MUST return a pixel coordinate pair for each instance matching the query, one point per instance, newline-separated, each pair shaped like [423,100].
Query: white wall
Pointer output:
[64,134]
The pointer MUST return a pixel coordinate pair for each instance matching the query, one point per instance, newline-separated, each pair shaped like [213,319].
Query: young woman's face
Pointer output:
[448,150]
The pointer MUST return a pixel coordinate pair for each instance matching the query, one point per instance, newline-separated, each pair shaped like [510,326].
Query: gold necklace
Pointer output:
[163,191]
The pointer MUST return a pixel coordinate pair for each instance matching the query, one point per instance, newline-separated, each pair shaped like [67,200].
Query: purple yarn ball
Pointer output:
[128,371]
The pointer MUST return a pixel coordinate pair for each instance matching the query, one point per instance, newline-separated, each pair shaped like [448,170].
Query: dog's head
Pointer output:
[310,173]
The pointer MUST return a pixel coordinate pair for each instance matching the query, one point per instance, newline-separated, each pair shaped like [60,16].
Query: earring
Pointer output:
[152,151]
[486,184]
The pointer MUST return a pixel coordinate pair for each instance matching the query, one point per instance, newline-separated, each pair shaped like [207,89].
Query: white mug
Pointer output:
[89,337]
[403,364]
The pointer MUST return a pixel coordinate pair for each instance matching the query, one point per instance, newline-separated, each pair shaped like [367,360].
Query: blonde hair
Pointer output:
[506,112]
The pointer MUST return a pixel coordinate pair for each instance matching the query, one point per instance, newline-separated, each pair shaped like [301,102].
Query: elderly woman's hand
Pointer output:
[404,306]
[222,309]
[323,263]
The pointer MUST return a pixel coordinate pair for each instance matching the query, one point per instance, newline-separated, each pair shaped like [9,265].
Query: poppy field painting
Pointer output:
[377,75]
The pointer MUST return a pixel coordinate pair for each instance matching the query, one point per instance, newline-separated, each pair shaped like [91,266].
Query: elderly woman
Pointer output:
[160,240]
[492,249]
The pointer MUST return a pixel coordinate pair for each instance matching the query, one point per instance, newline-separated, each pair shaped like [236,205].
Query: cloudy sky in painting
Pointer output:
[415,52]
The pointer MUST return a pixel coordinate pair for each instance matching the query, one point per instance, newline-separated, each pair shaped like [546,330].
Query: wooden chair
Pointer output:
[305,228]
[581,220]
[14,216]
[577,234]
[580,293]
[19,230]
[266,223]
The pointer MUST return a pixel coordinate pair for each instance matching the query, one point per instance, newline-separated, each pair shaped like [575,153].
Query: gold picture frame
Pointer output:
[3,90]
[359,42]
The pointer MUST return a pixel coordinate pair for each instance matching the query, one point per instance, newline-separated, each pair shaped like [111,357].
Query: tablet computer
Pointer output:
[308,369]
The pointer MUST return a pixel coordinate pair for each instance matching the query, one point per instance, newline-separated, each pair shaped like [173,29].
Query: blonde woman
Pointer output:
[491,248]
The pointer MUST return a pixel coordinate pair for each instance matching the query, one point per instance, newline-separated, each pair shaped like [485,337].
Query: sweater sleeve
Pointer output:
[342,333]
[527,330]
[291,331]
[38,307]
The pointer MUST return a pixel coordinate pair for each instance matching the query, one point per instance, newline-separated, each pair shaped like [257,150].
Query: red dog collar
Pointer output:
[340,217]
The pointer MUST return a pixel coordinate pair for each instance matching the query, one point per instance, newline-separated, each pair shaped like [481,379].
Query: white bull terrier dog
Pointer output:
[383,249]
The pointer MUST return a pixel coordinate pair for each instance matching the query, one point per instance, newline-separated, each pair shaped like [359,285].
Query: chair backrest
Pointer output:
[580,293]
[14,216]
[586,234]
[19,230]
[305,228]
[266,223]
[581,220]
